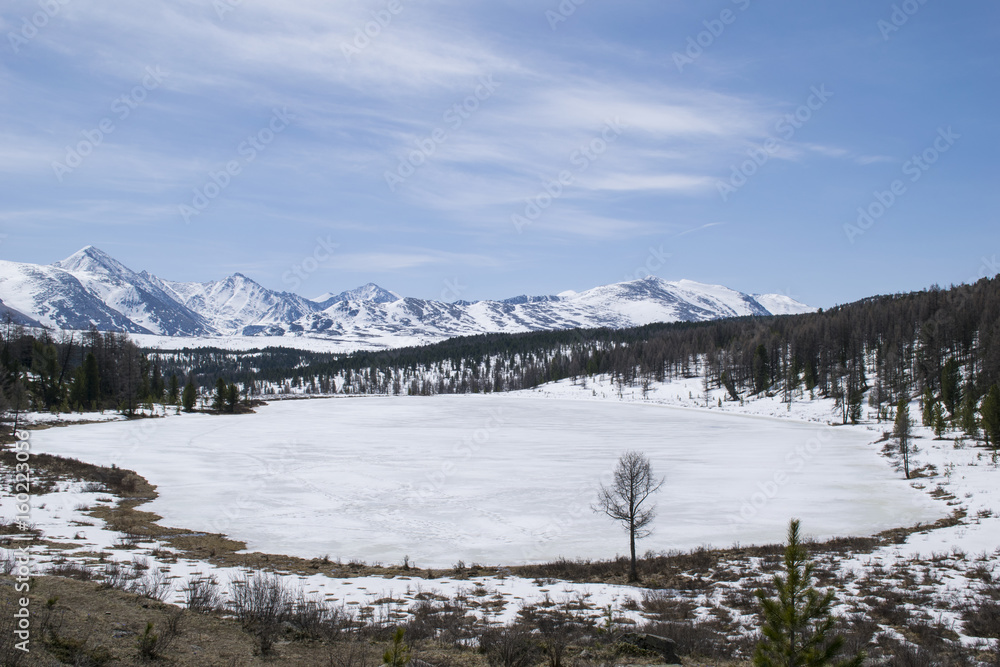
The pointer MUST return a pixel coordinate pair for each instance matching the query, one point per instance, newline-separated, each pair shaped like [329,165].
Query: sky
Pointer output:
[451,150]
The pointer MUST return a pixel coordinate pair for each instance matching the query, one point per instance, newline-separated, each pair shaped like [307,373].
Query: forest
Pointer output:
[941,346]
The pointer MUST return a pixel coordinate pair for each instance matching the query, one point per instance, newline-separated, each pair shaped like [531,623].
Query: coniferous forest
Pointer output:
[939,345]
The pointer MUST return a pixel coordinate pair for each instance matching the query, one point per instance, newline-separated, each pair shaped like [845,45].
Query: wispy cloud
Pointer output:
[401,260]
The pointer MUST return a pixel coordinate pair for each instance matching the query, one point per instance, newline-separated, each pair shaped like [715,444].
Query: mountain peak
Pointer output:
[369,292]
[92,259]
[782,304]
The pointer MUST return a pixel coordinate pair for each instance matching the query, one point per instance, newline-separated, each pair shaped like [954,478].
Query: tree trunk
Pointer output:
[633,575]
[906,457]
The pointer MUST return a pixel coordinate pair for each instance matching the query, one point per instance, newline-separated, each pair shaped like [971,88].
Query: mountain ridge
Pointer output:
[92,288]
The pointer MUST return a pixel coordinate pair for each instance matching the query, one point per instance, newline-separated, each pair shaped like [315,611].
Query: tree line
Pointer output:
[92,371]
[941,346]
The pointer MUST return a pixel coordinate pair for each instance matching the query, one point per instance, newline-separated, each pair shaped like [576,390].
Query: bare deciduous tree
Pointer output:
[625,500]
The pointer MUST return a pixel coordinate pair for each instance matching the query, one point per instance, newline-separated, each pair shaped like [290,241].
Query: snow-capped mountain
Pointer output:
[370,292]
[236,303]
[91,288]
[137,296]
[56,298]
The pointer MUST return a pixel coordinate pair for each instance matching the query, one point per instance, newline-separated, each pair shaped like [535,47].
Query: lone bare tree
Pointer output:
[625,500]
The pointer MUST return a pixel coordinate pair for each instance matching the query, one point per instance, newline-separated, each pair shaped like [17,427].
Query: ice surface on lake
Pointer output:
[493,479]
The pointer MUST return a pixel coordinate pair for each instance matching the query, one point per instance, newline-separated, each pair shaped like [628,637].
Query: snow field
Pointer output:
[62,517]
[497,480]
[947,563]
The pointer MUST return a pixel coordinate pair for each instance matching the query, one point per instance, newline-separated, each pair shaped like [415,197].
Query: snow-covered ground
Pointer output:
[509,478]
[968,473]
[297,342]
[493,479]
[65,418]
[79,538]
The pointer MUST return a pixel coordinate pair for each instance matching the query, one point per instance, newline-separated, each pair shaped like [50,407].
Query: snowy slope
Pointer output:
[369,292]
[92,288]
[620,305]
[132,294]
[56,298]
[779,304]
[237,304]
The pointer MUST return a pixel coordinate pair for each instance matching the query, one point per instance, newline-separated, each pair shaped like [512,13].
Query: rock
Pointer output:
[667,648]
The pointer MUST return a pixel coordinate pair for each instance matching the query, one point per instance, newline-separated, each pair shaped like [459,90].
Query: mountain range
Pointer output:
[91,288]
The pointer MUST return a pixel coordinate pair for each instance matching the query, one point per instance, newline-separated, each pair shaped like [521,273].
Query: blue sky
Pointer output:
[485,149]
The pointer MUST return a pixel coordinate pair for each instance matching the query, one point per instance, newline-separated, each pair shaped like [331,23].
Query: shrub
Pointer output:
[508,646]
[202,594]
[262,603]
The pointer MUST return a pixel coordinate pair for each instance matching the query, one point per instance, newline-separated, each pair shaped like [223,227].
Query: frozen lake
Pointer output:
[493,479]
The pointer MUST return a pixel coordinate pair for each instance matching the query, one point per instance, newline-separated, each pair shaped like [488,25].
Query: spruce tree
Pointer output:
[761,369]
[939,423]
[990,411]
[951,387]
[970,423]
[221,394]
[927,414]
[189,397]
[232,398]
[92,382]
[174,395]
[798,624]
[901,431]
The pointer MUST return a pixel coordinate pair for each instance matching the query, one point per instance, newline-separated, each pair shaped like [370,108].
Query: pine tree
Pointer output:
[398,653]
[927,414]
[232,398]
[950,387]
[174,395]
[901,431]
[157,385]
[798,624]
[970,423]
[92,382]
[761,369]
[855,404]
[990,412]
[47,386]
[221,394]
[189,397]
[939,423]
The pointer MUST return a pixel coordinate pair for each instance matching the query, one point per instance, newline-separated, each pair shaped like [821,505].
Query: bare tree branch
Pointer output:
[625,500]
